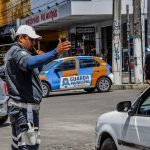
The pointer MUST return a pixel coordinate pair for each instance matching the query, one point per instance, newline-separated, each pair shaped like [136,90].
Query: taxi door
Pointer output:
[99,70]
[85,70]
[93,68]
[65,71]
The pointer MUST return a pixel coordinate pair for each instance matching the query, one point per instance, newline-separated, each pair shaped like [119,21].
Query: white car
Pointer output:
[128,128]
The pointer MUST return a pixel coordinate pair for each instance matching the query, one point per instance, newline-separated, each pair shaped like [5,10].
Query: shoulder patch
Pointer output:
[24,53]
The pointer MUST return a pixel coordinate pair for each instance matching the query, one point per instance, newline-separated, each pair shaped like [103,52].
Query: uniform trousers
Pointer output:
[20,136]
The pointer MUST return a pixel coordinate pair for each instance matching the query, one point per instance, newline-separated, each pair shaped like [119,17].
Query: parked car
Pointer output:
[3,102]
[2,72]
[85,72]
[127,128]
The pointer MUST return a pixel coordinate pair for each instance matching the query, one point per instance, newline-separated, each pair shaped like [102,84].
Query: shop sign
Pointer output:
[41,18]
[85,30]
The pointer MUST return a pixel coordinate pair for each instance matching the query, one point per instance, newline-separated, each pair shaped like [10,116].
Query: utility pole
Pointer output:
[148,23]
[137,41]
[128,39]
[143,16]
[116,43]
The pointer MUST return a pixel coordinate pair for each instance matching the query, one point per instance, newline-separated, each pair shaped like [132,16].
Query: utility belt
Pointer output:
[24,105]
[28,106]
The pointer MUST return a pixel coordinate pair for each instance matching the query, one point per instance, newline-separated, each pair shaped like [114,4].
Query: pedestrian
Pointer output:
[147,66]
[24,86]
[92,52]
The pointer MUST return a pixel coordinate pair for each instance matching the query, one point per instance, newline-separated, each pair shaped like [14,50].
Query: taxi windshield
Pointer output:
[50,65]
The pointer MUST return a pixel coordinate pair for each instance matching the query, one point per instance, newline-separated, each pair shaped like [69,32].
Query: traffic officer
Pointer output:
[24,86]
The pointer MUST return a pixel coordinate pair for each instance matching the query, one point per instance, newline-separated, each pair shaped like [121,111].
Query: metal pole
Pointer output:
[116,43]
[18,22]
[148,23]
[137,41]
[143,16]
[128,39]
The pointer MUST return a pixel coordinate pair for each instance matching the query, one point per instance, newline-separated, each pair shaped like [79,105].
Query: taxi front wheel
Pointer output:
[45,89]
[103,84]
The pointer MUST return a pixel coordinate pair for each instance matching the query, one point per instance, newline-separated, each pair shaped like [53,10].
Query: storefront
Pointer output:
[50,39]
[83,40]
[106,49]
[64,16]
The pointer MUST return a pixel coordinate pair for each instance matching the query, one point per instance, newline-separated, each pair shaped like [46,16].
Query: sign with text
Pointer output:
[75,81]
[41,18]
[85,30]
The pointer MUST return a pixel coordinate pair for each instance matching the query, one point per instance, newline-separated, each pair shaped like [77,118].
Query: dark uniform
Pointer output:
[24,88]
[147,69]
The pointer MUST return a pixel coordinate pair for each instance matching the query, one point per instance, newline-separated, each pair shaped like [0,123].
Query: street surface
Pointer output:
[67,119]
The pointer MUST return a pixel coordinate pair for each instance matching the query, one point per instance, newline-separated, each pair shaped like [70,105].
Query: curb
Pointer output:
[129,86]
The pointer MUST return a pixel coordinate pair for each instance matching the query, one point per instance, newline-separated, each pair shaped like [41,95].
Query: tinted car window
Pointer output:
[68,65]
[86,63]
[50,65]
[144,108]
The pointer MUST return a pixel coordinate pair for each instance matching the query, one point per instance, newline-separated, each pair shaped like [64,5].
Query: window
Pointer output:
[68,65]
[50,65]
[86,63]
[144,108]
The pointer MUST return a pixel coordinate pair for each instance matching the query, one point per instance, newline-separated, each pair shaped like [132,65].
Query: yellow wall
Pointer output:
[10,10]
[53,35]
[50,36]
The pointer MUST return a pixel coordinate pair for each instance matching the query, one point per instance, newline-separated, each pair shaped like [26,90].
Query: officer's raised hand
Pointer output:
[63,46]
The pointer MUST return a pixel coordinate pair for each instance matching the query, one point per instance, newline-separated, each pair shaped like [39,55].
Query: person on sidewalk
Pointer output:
[24,86]
[147,66]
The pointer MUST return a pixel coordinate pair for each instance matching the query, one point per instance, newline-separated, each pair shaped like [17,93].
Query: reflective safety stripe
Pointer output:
[14,138]
[15,141]
[24,105]
[14,145]
[29,113]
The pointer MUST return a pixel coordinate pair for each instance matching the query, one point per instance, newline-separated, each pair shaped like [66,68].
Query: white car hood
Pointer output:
[113,116]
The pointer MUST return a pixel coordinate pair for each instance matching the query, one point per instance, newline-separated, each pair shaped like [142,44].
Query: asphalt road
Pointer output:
[67,119]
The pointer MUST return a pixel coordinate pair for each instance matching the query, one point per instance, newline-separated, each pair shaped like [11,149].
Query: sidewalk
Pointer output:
[129,86]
